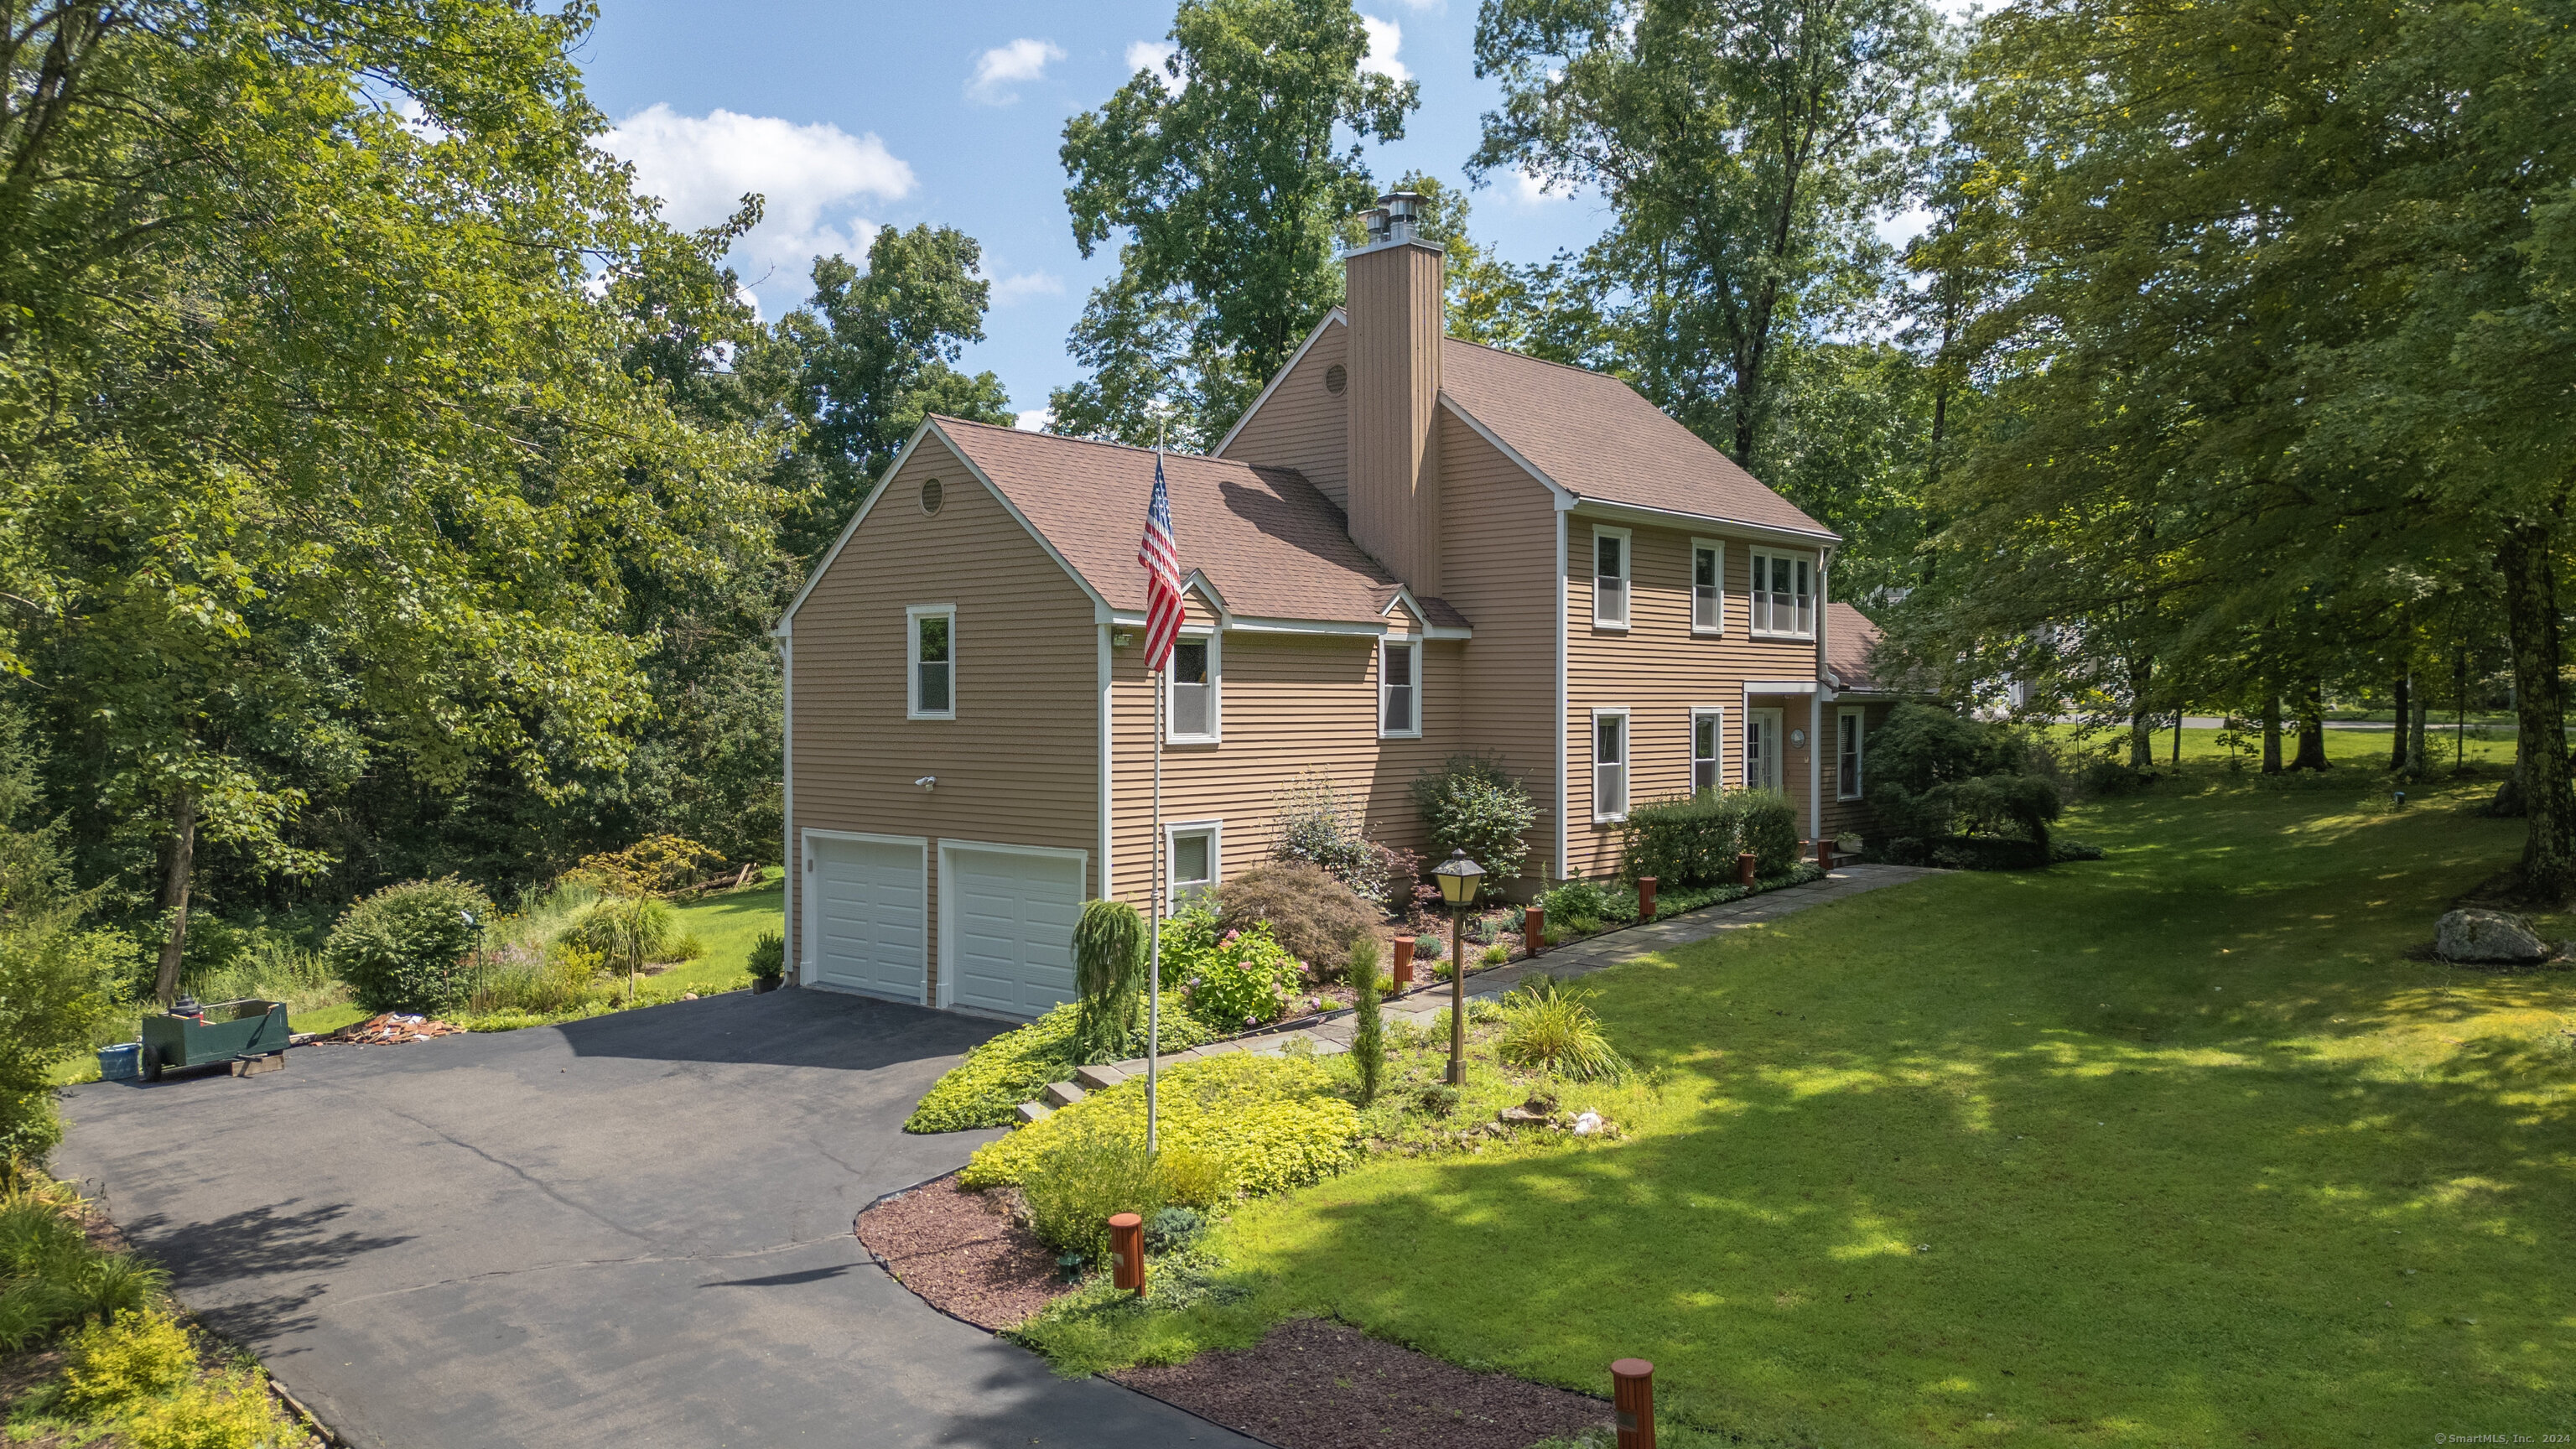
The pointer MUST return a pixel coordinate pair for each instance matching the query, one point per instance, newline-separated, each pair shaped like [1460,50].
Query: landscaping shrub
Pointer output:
[1770,830]
[2107,779]
[1316,825]
[1245,980]
[55,997]
[1580,906]
[1547,1026]
[561,980]
[400,948]
[137,1355]
[1368,1026]
[1471,804]
[769,957]
[1934,774]
[232,1411]
[986,1089]
[50,1274]
[657,934]
[1082,1175]
[1685,842]
[1311,915]
[1108,978]
[1995,804]
[1272,1123]
[1174,1228]
[1431,945]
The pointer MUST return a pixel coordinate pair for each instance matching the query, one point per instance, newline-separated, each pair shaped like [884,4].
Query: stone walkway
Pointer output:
[1422,1006]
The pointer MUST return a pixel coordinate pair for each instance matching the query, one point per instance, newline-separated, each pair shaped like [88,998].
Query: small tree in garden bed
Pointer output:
[1368,1028]
[629,881]
[1472,804]
[1312,915]
[1935,775]
[1108,978]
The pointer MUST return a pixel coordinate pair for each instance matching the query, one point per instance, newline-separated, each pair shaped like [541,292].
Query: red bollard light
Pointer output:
[1533,931]
[1127,1252]
[1645,898]
[1632,1397]
[1744,863]
[1403,970]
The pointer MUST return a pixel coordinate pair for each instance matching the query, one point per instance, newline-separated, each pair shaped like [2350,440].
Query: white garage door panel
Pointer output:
[872,925]
[1012,916]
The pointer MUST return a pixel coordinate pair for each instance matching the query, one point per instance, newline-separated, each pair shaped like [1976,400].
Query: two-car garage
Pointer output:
[1005,916]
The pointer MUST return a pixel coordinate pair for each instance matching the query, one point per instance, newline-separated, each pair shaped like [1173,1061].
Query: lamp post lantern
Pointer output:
[1458,877]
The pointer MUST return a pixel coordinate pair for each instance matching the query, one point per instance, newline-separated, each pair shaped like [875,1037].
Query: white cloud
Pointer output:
[1383,37]
[1008,290]
[810,178]
[1150,55]
[1035,420]
[1005,66]
[1532,190]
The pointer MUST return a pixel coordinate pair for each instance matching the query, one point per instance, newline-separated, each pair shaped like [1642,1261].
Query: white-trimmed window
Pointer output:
[1783,599]
[930,680]
[1610,570]
[1609,764]
[1708,735]
[1762,749]
[1197,858]
[1399,689]
[1193,682]
[1708,586]
[1847,753]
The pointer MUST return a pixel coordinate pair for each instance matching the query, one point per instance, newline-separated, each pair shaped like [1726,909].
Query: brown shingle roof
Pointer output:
[1849,639]
[1600,438]
[1271,544]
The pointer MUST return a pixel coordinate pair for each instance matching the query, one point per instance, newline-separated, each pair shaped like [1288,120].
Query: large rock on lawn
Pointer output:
[2488,938]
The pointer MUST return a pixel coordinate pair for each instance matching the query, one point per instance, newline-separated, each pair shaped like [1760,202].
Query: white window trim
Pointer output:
[1860,762]
[1216,693]
[1627,764]
[1718,547]
[1814,608]
[1691,743]
[1628,593]
[912,618]
[1214,830]
[1414,642]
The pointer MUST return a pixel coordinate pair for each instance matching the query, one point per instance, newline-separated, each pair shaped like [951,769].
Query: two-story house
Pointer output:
[1410,546]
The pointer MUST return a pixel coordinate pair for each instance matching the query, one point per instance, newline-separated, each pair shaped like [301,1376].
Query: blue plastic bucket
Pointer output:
[121,1062]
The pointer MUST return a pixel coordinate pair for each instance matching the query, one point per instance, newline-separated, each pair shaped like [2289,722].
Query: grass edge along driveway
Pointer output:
[2176,1148]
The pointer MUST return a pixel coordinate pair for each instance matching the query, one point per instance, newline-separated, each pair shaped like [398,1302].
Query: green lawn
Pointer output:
[2176,1148]
[727,925]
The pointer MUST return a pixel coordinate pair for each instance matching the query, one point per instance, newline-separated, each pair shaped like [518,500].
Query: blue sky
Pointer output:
[851,117]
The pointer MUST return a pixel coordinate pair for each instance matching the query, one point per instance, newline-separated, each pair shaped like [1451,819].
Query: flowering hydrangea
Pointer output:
[1245,978]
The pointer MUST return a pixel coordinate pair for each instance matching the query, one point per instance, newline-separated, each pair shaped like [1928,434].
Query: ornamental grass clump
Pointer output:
[1549,1026]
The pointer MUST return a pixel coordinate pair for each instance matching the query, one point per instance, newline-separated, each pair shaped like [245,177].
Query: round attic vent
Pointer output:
[1335,379]
[930,496]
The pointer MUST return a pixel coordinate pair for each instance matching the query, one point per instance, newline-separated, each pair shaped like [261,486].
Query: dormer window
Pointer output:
[1610,565]
[1784,594]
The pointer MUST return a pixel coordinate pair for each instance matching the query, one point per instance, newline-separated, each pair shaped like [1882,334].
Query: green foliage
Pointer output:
[563,979]
[1471,804]
[51,1275]
[1314,824]
[643,928]
[1694,841]
[998,1075]
[1109,963]
[769,956]
[1550,1027]
[1174,1228]
[1272,1122]
[402,948]
[1770,831]
[1079,1178]
[1368,1025]
[1312,916]
[1933,772]
[1577,900]
[117,1364]
[57,991]
[1245,979]
[231,1411]
[1232,193]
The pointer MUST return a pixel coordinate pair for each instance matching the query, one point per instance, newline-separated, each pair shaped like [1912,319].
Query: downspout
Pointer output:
[1816,719]
[1562,703]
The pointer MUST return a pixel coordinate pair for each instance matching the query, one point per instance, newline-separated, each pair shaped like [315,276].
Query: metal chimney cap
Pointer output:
[1402,203]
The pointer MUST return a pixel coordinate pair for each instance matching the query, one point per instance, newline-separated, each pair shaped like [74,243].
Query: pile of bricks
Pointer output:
[391,1028]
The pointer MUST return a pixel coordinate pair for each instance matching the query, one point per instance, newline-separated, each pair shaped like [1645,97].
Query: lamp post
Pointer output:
[1458,877]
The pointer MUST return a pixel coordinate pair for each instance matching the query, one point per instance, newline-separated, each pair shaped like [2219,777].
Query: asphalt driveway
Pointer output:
[632,1230]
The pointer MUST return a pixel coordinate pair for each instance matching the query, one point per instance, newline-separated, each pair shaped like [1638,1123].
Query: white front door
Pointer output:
[869,915]
[1762,749]
[1006,921]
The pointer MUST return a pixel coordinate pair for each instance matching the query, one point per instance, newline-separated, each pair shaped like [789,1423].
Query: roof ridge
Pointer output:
[1543,361]
[944,418]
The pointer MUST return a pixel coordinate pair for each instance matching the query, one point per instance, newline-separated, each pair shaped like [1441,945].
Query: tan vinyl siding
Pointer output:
[1301,425]
[1499,564]
[1394,506]
[1660,672]
[1020,763]
[1851,817]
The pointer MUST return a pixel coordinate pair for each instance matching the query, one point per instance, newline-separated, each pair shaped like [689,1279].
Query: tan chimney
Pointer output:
[1395,283]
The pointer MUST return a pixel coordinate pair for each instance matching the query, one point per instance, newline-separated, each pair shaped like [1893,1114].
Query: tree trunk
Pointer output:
[2272,733]
[175,882]
[2142,742]
[2177,751]
[2415,757]
[2530,569]
[2312,730]
[2397,730]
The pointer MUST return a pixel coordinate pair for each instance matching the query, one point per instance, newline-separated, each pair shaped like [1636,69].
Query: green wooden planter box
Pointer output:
[231,1029]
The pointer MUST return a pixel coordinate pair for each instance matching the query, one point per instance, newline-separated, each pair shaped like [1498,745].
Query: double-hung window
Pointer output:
[1195,847]
[1708,586]
[1847,755]
[1708,731]
[1399,688]
[1784,593]
[1609,764]
[1610,568]
[1192,679]
[930,683]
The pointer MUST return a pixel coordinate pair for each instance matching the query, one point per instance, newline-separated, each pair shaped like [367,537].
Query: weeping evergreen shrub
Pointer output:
[1108,978]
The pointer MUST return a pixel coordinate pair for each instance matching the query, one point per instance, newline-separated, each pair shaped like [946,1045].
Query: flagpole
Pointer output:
[1162,891]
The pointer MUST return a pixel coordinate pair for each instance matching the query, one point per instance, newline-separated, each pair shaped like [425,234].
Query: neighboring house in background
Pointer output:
[1410,546]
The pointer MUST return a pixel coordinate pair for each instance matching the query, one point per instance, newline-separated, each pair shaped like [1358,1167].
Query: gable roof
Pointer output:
[1270,545]
[1850,637]
[1599,439]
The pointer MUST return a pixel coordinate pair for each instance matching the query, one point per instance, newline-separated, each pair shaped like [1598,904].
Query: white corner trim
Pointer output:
[794,873]
[1107,715]
[1334,318]
[1564,704]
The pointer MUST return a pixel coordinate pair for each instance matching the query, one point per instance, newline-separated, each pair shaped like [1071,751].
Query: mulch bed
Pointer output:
[1311,1384]
[962,1253]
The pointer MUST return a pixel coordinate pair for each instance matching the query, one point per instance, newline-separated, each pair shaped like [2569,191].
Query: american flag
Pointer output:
[1162,577]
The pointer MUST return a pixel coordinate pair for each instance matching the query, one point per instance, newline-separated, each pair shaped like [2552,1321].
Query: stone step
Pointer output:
[1063,1094]
[1102,1078]
[1035,1112]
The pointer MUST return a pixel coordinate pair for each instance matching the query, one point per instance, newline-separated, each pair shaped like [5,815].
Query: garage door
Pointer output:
[1009,918]
[871,917]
